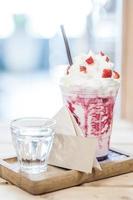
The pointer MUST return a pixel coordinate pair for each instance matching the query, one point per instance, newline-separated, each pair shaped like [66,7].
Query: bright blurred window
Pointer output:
[32,52]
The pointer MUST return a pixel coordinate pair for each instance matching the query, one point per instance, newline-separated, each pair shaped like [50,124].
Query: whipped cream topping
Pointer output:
[94,71]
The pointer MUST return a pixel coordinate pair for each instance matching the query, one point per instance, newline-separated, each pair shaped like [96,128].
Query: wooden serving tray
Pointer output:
[57,178]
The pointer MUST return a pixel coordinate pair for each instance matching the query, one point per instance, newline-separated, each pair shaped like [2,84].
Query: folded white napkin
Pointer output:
[70,150]
[64,123]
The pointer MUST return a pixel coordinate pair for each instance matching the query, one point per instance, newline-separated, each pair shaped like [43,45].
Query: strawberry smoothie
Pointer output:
[89,89]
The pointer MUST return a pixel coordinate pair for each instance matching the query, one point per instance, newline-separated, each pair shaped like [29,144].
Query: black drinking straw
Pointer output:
[66,45]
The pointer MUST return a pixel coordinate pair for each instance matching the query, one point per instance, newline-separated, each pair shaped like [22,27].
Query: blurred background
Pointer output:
[32,52]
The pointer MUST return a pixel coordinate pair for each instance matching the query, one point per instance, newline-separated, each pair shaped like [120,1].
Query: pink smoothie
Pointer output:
[94,115]
[89,89]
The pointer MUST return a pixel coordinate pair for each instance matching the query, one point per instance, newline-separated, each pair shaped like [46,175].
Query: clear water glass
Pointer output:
[32,139]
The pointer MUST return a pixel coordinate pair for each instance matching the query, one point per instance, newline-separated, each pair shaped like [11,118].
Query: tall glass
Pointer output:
[93,111]
[32,139]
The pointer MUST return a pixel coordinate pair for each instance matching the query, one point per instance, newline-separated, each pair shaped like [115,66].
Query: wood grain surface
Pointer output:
[57,178]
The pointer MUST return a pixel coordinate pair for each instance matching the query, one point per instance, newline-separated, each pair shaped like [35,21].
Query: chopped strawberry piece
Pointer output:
[107,73]
[116,75]
[107,59]
[102,54]
[90,60]
[83,69]
[68,68]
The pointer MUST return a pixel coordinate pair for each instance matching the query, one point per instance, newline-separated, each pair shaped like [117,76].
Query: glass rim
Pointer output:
[47,123]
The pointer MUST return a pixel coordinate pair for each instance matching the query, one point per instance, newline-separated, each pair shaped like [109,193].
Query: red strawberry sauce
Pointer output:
[97,114]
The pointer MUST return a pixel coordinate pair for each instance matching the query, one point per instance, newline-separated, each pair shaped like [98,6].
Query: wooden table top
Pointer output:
[120,187]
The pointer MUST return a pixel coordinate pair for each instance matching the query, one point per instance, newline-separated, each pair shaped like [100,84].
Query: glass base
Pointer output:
[102,158]
[33,170]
